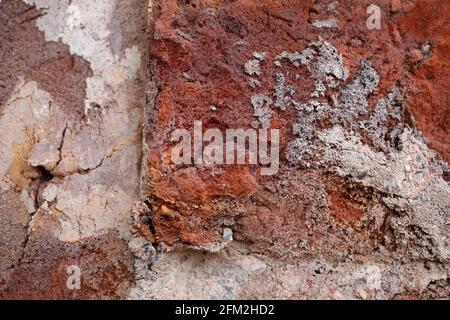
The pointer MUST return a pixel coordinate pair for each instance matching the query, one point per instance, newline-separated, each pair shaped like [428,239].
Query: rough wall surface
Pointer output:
[72,98]
[90,92]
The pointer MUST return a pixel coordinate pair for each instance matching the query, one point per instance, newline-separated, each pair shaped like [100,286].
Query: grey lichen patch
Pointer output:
[253,67]
[261,106]
[390,108]
[283,93]
[347,105]
[303,145]
[326,65]
[413,179]
[324,62]
[329,23]
[354,96]
[407,171]
[319,89]
[329,66]
[398,165]
[297,58]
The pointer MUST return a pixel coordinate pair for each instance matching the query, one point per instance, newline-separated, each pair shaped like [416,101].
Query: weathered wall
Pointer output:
[72,101]
[358,209]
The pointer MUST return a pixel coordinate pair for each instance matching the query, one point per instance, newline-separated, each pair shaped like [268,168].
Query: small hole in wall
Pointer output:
[44,174]
[446,176]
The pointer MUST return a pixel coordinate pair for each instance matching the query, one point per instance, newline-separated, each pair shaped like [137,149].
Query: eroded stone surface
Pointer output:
[358,181]
[359,208]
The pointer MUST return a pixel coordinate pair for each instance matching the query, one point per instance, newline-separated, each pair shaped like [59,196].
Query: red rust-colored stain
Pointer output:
[105,265]
[428,92]
[198,51]
[345,204]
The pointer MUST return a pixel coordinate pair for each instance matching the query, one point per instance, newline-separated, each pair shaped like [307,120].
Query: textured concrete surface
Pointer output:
[90,92]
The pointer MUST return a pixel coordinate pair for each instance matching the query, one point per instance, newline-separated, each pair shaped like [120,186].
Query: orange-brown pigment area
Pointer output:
[428,92]
[200,54]
[104,264]
[199,49]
